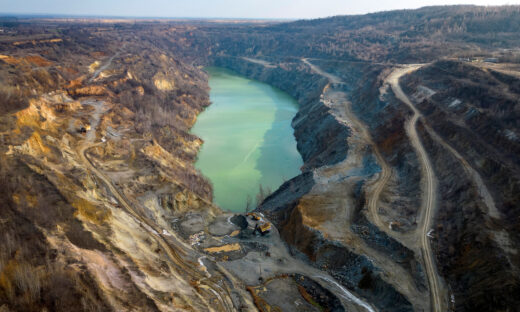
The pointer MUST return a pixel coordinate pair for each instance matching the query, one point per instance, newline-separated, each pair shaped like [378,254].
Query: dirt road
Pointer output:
[361,129]
[343,112]
[358,143]
[103,67]
[332,78]
[430,189]
[260,62]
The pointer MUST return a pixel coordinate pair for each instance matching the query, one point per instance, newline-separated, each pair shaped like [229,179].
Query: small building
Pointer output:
[254,216]
[264,228]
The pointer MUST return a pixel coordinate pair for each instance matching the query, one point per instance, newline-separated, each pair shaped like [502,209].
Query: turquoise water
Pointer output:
[248,138]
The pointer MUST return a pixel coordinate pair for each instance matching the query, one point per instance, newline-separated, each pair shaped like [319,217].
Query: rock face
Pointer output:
[319,134]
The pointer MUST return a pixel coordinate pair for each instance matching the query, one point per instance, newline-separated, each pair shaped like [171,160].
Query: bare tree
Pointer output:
[249,203]
[263,193]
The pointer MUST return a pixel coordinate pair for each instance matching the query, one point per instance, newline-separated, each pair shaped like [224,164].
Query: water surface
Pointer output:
[248,138]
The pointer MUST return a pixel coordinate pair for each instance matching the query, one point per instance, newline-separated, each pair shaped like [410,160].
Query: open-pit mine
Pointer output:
[351,163]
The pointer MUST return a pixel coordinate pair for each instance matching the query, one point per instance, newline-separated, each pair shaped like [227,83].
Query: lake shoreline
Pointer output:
[248,138]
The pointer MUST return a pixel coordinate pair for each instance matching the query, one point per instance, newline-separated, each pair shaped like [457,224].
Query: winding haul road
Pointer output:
[430,189]
[430,186]
[332,78]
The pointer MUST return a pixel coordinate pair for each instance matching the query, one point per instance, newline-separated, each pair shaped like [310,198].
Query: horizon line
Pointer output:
[202,18]
[129,17]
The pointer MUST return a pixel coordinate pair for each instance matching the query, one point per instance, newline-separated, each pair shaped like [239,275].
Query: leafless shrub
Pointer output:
[3,261]
[249,203]
[263,193]
[196,183]
[27,280]
[9,244]
[11,99]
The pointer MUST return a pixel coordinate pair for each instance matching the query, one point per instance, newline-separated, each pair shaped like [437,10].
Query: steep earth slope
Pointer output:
[104,188]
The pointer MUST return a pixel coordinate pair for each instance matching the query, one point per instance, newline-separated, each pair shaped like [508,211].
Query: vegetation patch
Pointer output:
[91,212]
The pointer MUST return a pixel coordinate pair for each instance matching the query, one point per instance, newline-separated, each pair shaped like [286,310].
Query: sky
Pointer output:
[290,9]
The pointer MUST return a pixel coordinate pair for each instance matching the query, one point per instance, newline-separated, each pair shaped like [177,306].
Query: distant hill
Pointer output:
[396,36]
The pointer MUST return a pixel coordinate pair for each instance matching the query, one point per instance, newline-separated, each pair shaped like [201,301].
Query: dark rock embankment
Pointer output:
[354,271]
[473,115]
[385,117]
[319,135]
[469,252]
[401,255]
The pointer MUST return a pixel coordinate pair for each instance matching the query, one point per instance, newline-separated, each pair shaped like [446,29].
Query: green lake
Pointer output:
[248,138]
